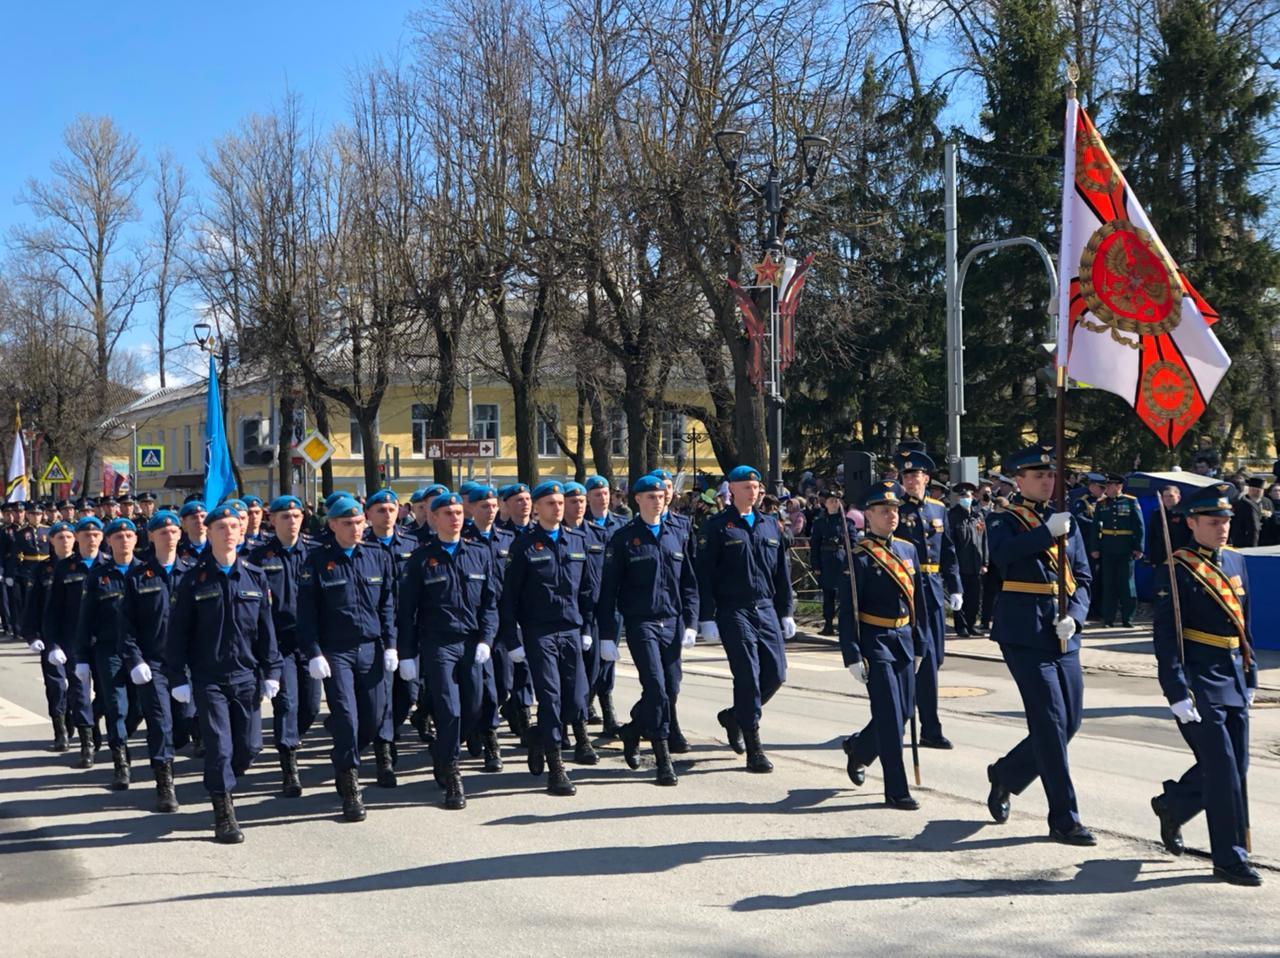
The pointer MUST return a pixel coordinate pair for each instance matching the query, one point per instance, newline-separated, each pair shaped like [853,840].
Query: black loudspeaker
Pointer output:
[859,472]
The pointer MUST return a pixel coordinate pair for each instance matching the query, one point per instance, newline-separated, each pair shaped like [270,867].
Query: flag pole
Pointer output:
[1060,434]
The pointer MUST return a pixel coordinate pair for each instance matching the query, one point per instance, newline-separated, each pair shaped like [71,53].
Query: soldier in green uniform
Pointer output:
[1118,537]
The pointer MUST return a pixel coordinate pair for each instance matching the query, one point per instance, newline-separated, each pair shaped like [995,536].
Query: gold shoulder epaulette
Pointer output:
[932,501]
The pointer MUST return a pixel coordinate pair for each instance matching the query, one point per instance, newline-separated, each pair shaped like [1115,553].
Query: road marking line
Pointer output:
[13,715]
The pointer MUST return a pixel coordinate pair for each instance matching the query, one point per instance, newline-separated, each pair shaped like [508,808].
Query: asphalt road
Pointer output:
[727,863]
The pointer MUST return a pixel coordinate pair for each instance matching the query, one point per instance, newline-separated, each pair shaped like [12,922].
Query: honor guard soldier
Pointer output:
[518,502]
[149,589]
[1118,538]
[448,614]
[194,535]
[826,553]
[295,707]
[923,523]
[100,639]
[1041,649]
[881,640]
[62,542]
[549,592]
[220,630]
[575,511]
[346,622]
[650,585]
[605,524]
[1209,679]
[745,600]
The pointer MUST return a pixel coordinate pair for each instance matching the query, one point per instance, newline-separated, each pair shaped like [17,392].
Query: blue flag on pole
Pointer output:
[219,480]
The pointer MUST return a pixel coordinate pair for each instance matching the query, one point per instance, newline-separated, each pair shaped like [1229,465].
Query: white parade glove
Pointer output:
[1248,697]
[955,601]
[1059,524]
[8,580]
[859,671]
[608,650]
[36,646]
[709,630]
[1185,711]
[140,674]
[1065,627]
[390,660]
[57,656]
[271,687]
[690,637]
[586,641]
[62,683]
[483,653]
[408,669]
[318,668]
[82,673]
[788,628]
[518,654]
[181,693]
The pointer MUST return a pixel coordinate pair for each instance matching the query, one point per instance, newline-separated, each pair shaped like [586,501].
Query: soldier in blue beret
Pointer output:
[254,534]
[745,600]
[1041,649]
[607,522]
[62,542]
[194,534]
[517,499]
[595,659]
[1209,679]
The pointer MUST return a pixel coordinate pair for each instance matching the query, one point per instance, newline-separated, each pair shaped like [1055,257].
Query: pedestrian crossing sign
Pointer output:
[55,472]
[151,458]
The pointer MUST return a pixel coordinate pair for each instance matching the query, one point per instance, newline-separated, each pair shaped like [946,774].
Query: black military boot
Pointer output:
[517,717]
[583,751]
[558,780]
[997,798]
[97,736]
[454,797]
[856,771]
[352,799]
[225,828]
[593,717]
[676,740]
[729,722]
[492,754]
[386,770]
[662,755]
[86,746]
[1170,829]
[533,742]
[757,761]
[166,797]
[475,744]
[610,721]
[292,787]
[197,740]
[59,733]
[630,736]
[120,761]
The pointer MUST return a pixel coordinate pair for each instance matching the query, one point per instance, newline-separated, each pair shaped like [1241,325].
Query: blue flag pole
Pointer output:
[219,480]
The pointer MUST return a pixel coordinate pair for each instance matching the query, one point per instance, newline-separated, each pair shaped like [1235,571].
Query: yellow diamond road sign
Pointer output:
[316,449]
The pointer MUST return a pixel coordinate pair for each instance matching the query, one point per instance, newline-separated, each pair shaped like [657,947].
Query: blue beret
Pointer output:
[448,499]
[334,496]
[597,482]
[1214,500]
[548,488]
[89,522]
[467,486]
[514,490]
[574,489]
[884,491]
[223,510]
[664,475]
[914,460]
[1035,456]
[648,483]
[381,496]
[345,508]
[120,525]
[428,492]
[479,493]
[161,519]
[235,503]
[60,526]
[191,507]
[252,501]
[744,474]
[285,503]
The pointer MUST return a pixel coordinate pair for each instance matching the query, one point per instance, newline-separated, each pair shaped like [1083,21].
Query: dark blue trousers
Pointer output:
[404,696]
[511,678]
[600,674]
[79,694]
[655,650]
[55,684]
[559,682]
[230,718]
[891,686]
[1052,690]
[1220,742]
[157,709]
[112,675]
[355,693]
[752,640]
[455,684]
[297,704]
[927,673]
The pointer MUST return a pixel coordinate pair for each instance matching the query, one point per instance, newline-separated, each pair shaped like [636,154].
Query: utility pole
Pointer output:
[955,344]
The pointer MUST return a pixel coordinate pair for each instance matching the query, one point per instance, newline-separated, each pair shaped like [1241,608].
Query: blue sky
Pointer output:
[176,75]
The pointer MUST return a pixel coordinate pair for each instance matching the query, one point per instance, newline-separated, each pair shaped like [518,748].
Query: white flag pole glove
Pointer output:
[1065,627]
[956,601]
[483,653]
[408,669]
[271,687]
[586,641]
[859,671]
[788,628]
[140,674]
[82,673]
[608,650]
[1059,524]
[36,646]
[690,637]
[1185,711]
[57,656]
[709,630]
[181,693]
[318,668]
[390,660]
[518,654]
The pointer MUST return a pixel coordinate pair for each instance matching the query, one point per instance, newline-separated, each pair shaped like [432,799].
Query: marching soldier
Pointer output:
[575,510]
[420,507]
[61,542]
[826,553]
[1207,675]
[194,535]
[518,502]
[605,524]
[745,600]
[1041,649]
[881,642]
[254,533]
[1118,538]
[221,631]
[969,534]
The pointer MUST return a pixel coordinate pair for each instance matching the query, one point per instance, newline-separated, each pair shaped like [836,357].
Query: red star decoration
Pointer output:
[768,272]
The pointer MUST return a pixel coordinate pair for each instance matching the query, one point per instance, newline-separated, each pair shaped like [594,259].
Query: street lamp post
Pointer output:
[774,194]
[692,438]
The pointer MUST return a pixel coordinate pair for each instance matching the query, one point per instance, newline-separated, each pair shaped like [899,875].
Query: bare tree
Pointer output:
[173,206]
